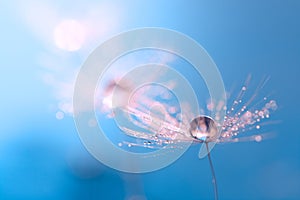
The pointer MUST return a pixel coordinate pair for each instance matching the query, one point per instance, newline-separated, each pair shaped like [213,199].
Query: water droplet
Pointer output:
[204,129]
[258,138]
[261,113]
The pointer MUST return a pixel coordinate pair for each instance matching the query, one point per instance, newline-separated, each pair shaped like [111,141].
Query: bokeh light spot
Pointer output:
[69,35]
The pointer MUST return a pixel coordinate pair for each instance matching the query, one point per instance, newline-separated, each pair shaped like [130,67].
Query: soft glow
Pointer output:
[69,35]
[92,123]
[60,115]
[107,101]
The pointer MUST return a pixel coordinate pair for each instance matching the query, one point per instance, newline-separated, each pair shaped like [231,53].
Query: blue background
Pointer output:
[42,158]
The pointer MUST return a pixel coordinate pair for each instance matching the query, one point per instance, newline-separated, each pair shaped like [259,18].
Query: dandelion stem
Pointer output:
[214,180]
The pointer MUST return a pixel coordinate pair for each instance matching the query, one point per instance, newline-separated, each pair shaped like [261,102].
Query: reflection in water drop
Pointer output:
[204,129]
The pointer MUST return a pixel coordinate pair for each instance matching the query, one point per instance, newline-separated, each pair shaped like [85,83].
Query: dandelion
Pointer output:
[161,124]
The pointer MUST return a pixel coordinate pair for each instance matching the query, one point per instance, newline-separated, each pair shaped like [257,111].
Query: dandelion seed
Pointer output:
[169,126]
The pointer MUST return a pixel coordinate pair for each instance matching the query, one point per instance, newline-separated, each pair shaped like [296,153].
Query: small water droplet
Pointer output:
[258,138]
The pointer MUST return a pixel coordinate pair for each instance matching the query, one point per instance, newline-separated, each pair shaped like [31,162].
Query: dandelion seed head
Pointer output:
[164,125]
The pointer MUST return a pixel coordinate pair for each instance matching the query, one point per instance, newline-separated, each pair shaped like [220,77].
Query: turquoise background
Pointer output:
[42,158]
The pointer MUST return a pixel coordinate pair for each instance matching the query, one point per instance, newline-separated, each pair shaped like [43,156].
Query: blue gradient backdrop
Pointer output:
[42,158]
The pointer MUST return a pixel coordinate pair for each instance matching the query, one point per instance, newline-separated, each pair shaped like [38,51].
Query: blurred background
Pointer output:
[44,43]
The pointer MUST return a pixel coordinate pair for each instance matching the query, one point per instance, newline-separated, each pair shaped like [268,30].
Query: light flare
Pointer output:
[69,35]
